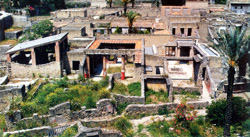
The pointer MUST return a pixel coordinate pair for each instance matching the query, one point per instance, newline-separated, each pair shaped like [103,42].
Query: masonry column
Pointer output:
[123,68]
[33,56]
[87,68]
[57,51]
[8,58]
[104,67]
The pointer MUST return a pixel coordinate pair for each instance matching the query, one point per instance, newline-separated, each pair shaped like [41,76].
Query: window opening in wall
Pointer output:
[173,31]
[189,31]
[149,69]
[182,30]
[158,69]
[76,65]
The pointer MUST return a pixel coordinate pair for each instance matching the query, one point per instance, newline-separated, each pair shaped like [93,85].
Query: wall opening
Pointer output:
[76,65]
[173,31]
[185,52]
[182,30]
[189,31]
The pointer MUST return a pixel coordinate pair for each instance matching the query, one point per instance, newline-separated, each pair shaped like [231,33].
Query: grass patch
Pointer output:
[111,70]
[156,97]
[11,42]
[134,89]
[124,126]
[120,88]
[121,107]
[193,95]
[14,28]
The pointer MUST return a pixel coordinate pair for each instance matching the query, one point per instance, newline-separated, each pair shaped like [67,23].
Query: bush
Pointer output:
[119,88]
[104,94]
[159,129]
[90,103]
[70,132]
[217,110]
[134,89]
[104,82]
[62,83]
[2,123]
[121,107]
[163,111]
[194,130]
[124,126]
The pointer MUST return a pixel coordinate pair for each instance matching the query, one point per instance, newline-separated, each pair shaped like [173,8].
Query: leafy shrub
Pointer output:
[124,126]
[134,89]
[104,94]
[246,125]
[217,110]
[163,111]
[28,108]
[119,88]
[117,30]
[81,78]
[200,120]
[121,107]
[70,132]
[159,128]
[62,83]
[194,130]
[104,82]
[2,122]
[90,103]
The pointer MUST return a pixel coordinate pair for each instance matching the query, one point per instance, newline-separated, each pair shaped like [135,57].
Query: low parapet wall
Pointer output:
[135,109]
[128,99]
[34,131]
[179,90]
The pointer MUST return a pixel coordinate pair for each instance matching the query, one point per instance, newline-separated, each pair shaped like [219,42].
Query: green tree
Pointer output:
[232,45]
[43,28]
[110,3]
[216,111]
[125,3]
[133,3]
[131,18]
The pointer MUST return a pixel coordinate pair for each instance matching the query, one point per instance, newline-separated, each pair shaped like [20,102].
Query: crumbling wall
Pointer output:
[128,99]
[135,109]
[52,69]
[187,89]
[7,94]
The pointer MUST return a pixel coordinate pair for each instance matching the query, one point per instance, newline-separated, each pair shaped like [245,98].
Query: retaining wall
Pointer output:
[136,109]
[128,99]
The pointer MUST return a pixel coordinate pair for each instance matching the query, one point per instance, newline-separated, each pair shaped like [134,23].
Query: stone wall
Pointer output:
[13,34]
[150,39]
[52,69]
[128,99]
[74,56]
[101,122]
[61,114]
[34,131]
[8,94]
[153,61]
[135,109]
[80,42]
[21,21]
[179,90]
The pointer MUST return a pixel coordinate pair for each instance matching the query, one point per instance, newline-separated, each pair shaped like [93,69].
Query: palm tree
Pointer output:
[232,44]
[125,3]
[133,3]
[131,18]
[110,3]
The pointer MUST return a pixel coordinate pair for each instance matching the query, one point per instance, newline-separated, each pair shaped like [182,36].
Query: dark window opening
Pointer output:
[189,31]
[173,31]
[182,30]
[157,69]
[185,51]
[203,73]
[76,65]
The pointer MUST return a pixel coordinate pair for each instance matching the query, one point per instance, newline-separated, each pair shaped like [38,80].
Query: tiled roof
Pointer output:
[138,44]
[97,43]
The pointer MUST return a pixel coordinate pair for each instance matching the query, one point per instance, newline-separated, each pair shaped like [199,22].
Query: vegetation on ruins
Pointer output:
[124,126]
[131,18]
[220,1]
[232,43]
[42,29]
[70,132]
[125,3]
[61,91]
[134,89]
[216,111]
[111,70]
[156,96]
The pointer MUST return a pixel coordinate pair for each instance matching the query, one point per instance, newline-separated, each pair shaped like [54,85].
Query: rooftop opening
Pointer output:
[173,2]
[116,46]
